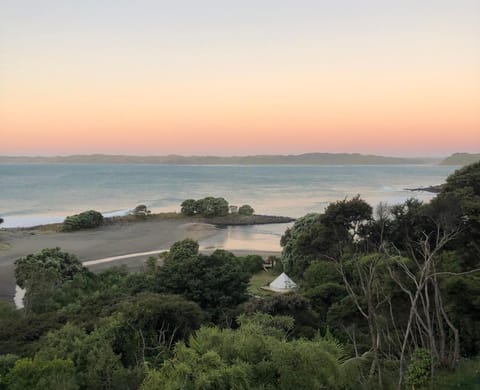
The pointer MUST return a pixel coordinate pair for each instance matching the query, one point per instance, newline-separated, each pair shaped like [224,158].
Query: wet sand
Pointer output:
[105,242]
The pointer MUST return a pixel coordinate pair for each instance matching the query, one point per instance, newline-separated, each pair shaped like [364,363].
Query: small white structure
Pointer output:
[233,209]
[282,284]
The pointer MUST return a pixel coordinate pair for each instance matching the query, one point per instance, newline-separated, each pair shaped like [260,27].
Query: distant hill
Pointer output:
[461,159]
[308,158]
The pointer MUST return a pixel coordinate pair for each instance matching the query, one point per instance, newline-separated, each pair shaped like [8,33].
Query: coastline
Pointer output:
[120,241]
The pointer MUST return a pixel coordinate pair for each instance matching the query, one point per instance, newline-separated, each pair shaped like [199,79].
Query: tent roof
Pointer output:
[283,282]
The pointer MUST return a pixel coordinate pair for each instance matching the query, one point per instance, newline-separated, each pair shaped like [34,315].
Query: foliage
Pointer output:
[253,356]
[294,305]
[246,209]
[211,207]
[7,362]
[418,370]
[150,324]
[206,207]
[35,374]
[97,366]
[42,273]
[86,220]
[8,311]
[64,264]
[217,282]
[463,188]
[341,228]
[465,376]
[182,250]
[188,207]
[323,285]
[252,263]
[19,333]
[299,242]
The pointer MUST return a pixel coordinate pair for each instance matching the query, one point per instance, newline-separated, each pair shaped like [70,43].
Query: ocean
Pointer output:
[32,194]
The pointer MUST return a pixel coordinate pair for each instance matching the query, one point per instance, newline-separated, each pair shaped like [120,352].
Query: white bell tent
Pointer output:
[282,284]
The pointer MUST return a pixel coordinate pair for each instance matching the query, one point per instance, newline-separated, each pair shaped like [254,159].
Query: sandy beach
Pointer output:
[121,244]
[88,245]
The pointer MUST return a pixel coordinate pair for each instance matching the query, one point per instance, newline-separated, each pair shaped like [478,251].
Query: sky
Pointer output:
[391,77]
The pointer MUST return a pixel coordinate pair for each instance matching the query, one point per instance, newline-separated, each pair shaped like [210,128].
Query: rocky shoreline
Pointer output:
[435,189]
[240,220]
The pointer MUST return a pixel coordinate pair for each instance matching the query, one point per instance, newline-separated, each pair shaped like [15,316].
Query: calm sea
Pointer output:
[38,193]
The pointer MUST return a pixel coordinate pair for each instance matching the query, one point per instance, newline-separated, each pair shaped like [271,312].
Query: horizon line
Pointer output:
[366,154]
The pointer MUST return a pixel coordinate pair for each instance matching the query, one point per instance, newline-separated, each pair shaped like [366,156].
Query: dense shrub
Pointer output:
[252,263]
[40,375]
[63,264]
[206,207]
[246,209]
[188,207]
[86,220]
[418,370]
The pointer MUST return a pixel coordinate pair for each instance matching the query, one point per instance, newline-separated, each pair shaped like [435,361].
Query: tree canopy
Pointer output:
[216,282]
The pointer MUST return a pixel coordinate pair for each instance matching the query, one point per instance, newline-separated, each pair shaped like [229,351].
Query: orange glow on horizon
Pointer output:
[404,82]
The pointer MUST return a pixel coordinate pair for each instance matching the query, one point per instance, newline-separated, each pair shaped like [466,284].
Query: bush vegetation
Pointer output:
[246,209]
[206,207]
[86,220]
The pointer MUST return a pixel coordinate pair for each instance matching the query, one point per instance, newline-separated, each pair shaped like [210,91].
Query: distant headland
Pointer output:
[291,159]
[461,159]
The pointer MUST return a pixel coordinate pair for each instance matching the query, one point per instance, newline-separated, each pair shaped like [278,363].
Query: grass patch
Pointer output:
[150,217]
[465,376]
[51,227]
[259,280]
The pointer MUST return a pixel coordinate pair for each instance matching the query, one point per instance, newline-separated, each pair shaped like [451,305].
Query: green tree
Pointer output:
[252,263]
[35,374]
[85,220]
[341,228]
[64,264]
[254,356]
[41,274]
[182,250]
[8,311]
[188,207]
[211,207]
[97,365]
[294,305]
[7,362]
[217,282]
[246,209]
[150,324]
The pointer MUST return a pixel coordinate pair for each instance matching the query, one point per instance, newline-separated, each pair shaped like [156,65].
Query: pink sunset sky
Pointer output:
[145,77]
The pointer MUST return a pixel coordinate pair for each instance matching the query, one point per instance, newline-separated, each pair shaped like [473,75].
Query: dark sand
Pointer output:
[112,240]
[108,241]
